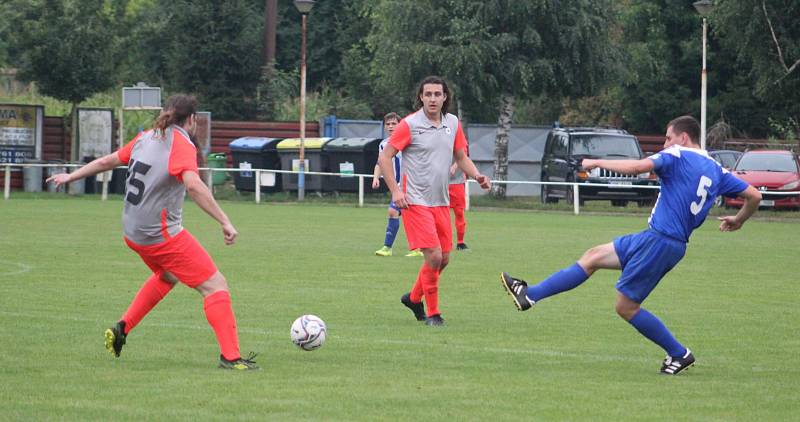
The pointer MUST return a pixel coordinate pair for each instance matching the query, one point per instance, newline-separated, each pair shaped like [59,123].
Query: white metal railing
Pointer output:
[265,178]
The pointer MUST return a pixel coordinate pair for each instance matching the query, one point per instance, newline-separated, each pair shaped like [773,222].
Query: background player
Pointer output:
[690,180]
[162,168]
[429,138]
[390,121]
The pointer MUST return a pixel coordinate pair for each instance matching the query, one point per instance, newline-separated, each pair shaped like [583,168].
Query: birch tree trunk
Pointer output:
[501,145]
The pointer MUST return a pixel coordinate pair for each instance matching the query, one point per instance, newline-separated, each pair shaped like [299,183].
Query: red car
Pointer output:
[770,170]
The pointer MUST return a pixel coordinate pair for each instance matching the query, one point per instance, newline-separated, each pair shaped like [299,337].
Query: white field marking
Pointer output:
[21,268]
[464,347]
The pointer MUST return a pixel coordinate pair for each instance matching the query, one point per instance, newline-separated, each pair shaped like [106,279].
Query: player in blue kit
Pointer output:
[690,180]
[390,121]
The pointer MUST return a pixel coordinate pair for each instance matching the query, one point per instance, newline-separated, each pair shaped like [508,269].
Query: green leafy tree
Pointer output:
[661,43]
[334,28]
[495,52]
[67,49]
[212,49]
[763,41]
[144,26]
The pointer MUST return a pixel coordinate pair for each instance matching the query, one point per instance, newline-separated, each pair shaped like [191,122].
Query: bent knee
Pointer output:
[214,284]
[627,311]
[434,259]
[169,277]
[593,259]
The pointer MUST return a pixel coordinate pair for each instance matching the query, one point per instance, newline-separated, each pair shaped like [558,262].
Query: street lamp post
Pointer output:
[304,7]
[703,7]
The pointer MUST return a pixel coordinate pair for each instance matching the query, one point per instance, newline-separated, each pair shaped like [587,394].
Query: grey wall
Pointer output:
[359,129]
[525,149]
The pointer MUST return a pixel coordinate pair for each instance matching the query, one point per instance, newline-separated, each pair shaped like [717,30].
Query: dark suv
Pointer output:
[561,162]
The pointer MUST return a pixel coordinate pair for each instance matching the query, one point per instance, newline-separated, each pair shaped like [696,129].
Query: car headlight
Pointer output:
[790,185]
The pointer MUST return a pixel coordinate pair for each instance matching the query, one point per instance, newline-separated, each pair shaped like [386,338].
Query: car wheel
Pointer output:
[545,195]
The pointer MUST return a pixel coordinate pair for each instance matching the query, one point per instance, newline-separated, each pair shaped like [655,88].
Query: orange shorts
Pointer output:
[428,227]
[182,256]
[458,197]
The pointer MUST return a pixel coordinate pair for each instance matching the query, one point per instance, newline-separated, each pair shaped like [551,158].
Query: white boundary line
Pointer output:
[24,268]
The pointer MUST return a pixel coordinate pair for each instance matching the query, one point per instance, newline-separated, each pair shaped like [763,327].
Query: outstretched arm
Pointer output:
[620,166]
[99,165]
[752,197]
[200,194]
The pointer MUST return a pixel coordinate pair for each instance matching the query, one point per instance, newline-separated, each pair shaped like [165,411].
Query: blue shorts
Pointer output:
[645,257]
[395,207]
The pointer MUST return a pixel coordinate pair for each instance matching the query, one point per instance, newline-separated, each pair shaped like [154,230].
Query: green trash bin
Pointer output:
[217,161]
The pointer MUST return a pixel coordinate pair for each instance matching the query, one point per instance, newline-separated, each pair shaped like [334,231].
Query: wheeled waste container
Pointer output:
[289,152]
[256,153]
[217,161]
[52,171]
[32,176]
[348,156]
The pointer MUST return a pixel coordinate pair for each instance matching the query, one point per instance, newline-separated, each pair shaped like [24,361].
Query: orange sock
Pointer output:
[461,224]
[430,287]
[219,314]
[148,296]
[416,291]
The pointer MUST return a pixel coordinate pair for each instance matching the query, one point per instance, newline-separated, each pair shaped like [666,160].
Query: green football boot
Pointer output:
[115,338]
[240,364]
[384,251]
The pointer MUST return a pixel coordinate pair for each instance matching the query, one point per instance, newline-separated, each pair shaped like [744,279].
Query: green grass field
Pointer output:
[66,275]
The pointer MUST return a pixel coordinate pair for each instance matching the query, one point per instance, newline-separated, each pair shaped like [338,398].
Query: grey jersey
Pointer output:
[458,177]
[427,155]
[154,188]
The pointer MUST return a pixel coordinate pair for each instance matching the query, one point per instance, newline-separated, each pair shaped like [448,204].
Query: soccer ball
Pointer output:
[308,332]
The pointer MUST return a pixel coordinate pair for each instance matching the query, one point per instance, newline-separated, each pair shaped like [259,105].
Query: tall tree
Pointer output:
[495,52]
[213,49]
[330,32]
[661,44]
[764,37]
[67,49]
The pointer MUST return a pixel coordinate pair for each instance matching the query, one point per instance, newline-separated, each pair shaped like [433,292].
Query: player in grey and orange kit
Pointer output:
[162,168]
[430,139]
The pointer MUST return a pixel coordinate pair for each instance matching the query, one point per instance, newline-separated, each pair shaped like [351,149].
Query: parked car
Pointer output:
[565,148]
[769,170]
[727,159]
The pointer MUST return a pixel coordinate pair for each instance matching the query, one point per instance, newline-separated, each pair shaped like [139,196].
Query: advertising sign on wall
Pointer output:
[20,132]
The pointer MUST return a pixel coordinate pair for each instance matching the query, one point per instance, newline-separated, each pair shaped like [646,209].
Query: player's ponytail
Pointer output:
[177,109]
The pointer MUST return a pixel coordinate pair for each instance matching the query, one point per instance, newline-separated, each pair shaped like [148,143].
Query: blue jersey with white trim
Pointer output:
[690,180]
[395,162]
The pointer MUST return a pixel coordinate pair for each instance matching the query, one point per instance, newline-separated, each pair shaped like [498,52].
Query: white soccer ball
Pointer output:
[308,332]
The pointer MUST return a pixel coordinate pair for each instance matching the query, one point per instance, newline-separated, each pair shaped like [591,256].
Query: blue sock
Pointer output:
[391,231]
[652,327]
[566,279]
